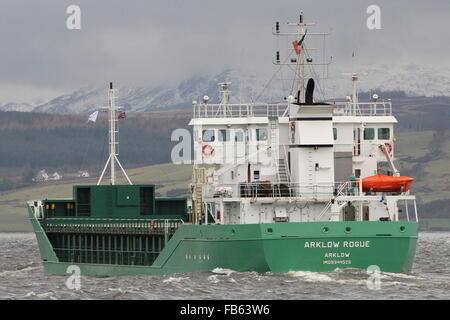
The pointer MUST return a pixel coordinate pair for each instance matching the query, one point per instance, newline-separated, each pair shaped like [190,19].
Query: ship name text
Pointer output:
[337,244]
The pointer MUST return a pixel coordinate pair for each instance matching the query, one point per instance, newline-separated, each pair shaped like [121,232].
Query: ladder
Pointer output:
[278,162]
[311,168]
[199,181]
[274,137]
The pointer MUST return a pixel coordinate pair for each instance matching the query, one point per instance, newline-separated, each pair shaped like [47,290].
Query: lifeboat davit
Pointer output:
[382,183]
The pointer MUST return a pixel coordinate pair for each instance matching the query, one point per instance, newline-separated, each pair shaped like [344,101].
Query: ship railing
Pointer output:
[267,189]
[375,108]
[105,225]
[205,110]
[343,189]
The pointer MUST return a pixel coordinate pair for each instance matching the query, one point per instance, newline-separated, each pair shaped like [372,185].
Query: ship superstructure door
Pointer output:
[312,156]
[240,141]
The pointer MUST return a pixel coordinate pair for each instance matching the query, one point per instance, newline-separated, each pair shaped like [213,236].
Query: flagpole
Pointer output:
[112,133]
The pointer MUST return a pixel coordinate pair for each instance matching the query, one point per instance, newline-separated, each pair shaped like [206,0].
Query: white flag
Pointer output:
[93,116]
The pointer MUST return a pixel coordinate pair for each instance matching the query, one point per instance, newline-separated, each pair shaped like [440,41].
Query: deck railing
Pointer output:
[378,108]
[204,110]
[281,190]
[237,110]
[111,226]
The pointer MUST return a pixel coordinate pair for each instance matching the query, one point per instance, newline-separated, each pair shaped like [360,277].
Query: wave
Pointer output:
[15,272]
[223,271]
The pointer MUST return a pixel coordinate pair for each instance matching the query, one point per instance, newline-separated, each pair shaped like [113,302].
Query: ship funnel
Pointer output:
[309,91]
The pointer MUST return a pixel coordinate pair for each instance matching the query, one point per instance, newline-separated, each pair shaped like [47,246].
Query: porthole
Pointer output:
[348,229]
[402,229]
[325,229]
[269,230]
[233,231]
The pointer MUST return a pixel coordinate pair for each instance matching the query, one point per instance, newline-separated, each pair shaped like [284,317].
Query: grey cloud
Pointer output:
[160,42]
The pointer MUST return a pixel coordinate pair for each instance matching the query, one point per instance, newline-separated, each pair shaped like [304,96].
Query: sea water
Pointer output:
[22,277]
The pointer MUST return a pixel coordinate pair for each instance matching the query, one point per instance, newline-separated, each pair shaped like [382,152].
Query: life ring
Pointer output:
[388,147]
[207,150]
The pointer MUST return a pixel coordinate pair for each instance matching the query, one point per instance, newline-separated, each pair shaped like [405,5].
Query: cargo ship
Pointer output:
[276,187]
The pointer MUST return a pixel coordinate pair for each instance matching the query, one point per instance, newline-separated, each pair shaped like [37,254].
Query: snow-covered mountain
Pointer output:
[13,106]
[246,86]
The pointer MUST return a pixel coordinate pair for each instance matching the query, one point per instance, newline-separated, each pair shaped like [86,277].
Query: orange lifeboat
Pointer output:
[382,183]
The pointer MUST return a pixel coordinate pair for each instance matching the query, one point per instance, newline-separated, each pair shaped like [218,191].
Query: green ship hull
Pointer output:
[272,247]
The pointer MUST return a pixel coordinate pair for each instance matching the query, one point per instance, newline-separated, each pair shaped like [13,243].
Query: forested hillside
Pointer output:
[67,143]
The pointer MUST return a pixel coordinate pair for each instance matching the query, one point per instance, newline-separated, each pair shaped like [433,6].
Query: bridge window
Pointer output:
[384,134]
[224,135]
[208,135]
[261,134]
[369,134]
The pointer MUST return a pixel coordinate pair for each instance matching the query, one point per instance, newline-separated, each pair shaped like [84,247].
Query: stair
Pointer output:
[283,176]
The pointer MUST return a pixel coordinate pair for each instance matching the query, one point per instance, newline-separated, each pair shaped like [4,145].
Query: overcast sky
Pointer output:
[148,42]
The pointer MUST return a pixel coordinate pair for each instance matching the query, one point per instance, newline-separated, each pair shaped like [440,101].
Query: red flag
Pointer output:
[298,45]
[122,115]
[297,49]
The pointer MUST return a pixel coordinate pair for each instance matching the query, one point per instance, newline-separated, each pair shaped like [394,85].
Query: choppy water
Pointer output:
[22,277]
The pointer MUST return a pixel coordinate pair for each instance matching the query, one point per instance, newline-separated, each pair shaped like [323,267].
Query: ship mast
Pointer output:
[302,57]
[113,138]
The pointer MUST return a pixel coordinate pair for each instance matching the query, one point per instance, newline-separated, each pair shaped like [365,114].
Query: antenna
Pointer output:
[354,97]
[302,54]
[113,138]
[224,89]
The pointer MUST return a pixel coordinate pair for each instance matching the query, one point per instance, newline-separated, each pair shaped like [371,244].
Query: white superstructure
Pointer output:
[293,161]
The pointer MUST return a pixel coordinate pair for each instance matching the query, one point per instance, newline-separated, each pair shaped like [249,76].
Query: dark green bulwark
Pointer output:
[116,202]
